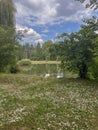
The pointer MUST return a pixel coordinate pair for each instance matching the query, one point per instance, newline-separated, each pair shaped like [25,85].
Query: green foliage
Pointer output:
[7,47]
[94,69]
[46,49]
[54,50]
[78,49]
[7,11]
[15,68]
[38,53]
[7,34]
[25,62]
[90,3]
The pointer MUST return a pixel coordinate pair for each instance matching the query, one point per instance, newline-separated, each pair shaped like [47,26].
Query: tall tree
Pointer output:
[79,48]
[7,11]
[46,49]
[7,34]
[38,50]
[53,50]
[7,48]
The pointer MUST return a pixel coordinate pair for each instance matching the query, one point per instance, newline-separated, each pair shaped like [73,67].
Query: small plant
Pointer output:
[25,62]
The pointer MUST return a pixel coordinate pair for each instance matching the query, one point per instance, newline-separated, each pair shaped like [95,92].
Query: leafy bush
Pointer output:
[25,62]
[14,69]
[94,69]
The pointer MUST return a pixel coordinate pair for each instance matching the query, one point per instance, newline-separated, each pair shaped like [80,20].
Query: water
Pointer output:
[44,69]
[41,69]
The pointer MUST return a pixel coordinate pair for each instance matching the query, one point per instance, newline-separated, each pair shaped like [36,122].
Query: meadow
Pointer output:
[29,102]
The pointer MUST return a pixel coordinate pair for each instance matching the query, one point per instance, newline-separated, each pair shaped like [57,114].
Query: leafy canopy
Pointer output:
[78,49]
[90,3]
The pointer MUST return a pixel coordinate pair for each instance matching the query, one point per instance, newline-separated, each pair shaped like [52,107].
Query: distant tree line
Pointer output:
[45,51]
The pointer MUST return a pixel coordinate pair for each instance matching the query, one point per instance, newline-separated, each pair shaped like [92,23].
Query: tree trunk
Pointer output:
[83,71]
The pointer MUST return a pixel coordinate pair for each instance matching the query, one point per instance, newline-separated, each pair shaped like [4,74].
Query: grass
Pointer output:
[35,103]
[46,62]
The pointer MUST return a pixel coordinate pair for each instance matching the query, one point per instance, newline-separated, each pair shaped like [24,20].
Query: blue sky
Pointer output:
[45,19]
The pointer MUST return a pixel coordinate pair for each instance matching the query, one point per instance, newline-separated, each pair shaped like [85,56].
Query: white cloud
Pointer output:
[96,32]
[47,11]
[42,12]
[30,35]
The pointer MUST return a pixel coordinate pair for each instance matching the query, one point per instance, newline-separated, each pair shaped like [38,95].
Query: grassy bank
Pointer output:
[36,103]
[46,62]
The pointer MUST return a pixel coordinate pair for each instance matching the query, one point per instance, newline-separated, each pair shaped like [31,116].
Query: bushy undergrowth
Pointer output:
[15,69]
[36,103]
[93,70]
[25,62]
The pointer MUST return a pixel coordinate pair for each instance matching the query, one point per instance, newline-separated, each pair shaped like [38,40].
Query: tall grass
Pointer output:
[35,103]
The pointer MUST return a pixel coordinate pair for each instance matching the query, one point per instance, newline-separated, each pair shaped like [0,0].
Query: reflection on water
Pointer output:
[47,70]
[41,69]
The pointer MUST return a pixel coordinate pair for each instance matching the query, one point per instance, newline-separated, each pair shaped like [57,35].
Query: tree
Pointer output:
[37,52]
[7,11]
[79,48]
[91,3]
[46,46]
[7,48]
[53,50]
[7,34]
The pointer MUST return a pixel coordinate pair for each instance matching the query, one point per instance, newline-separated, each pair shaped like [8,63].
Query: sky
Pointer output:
[45,19]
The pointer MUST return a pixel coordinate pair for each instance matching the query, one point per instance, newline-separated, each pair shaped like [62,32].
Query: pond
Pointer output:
[42,69]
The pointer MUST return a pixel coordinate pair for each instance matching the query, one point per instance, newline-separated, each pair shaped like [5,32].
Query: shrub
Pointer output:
[25,62]
[14,69]
[94,69]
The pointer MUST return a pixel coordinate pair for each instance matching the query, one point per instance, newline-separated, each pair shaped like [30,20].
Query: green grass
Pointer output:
[46,62]
[35,103]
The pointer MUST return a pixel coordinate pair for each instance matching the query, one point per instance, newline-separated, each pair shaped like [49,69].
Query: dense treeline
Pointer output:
[45,51]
